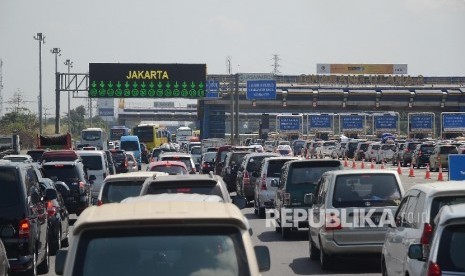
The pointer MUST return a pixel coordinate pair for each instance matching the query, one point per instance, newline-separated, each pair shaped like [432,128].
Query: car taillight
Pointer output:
[433,269]
[126,164]
[287,199]
[82,186]
[427,234]
[246,178]
[205,165]
[332,223]
[51,209]
[24,229]
[263,186]
[99,203]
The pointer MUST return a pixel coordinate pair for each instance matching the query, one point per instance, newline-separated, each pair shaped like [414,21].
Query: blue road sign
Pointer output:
[352,123]
[213,89]
[421,122]
[261,90]
[456,166]
[453,122]
[320,122]
[385,123]
[106,112]
[293,123]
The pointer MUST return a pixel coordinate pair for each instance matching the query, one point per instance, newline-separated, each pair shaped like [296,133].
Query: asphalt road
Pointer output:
[291,257]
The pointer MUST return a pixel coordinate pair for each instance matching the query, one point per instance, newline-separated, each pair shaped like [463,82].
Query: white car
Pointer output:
[97,164]
[132,162]
[284,150]
[326,148]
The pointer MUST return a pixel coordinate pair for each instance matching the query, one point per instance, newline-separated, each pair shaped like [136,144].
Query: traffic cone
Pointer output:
[354,166]
[382,164]
[363,164]
[372,165]
[411,172]
[399,170]
[440,177]
[428,174]
[345,163]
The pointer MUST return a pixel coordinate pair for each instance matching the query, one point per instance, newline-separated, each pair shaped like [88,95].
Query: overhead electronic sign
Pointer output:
[261,90]
[421,123]
[352,123]
[290,123]
[320,122]
[453,122]
[140,80]
[385,123]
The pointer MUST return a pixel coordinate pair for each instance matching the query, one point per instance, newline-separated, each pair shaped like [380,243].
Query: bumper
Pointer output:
[21,264]
[332,248]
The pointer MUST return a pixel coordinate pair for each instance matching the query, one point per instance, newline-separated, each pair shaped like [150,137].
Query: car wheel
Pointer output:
[44,266]
[56,245]
[383,267]
[313,251]
[325,260]
[33,270]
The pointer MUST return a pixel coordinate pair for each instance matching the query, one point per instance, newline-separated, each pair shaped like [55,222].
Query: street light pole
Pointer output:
[56,52]
[69,63]
[41,38]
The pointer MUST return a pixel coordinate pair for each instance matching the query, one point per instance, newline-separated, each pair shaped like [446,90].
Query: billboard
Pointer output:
[385,123]
[289,123]
[421,123]
[453,122]
[361,69]
[352,123]
[320,122]
[261,90]
[141,80]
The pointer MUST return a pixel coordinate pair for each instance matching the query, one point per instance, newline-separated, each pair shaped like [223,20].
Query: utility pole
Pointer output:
[69,63]
[231,117]
[275,64]
[41,38]
[45,115]
[56,52]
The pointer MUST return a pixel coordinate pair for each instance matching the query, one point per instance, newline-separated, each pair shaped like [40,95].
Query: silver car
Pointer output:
[350,212]
[265,192]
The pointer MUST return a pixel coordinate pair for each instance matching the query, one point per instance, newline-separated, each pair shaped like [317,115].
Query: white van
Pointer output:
[95,161]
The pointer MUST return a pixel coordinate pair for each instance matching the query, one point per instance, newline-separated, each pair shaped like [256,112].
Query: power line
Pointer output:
[275,64]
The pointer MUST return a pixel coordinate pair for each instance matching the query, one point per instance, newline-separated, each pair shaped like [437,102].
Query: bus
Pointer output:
[183,134]
[152,135]
[94,137]
[117,131]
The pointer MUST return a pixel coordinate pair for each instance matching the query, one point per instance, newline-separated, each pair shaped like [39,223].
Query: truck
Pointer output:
[9,144]
[55,141]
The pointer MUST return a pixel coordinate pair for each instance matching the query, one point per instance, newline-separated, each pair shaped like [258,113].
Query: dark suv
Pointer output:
[232,163]
[421,154]
[405,156]
[75,176]
[23,218]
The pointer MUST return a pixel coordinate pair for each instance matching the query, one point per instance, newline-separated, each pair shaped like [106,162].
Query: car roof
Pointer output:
[180,154]
[90,152]
[360,171]
[8,163]
[134,175]
[281,158]
[167,163]
[187,178]
[117,214]
[439,187]
[257,154]
[174,197]
[53,163]
[450,212]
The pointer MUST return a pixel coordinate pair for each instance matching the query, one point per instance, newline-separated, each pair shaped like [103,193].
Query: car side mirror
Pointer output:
[50,194]
[62,188]
[239,201]
[92,178]
[415,251]
[309,199]
[60,260]
[274,183]
[263,258]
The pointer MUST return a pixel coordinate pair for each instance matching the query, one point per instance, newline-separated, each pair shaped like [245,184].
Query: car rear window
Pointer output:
[284,151]
[364,146]
[427,149]
[441,201]
[92,162]
[209,157]
[58,157]
[172,169]
[353,145]
[36,155]
[9,187]
[193,250]
[255,166]
[65,173]
[388,147]
[185,160]
[196,151]
[129,145]
[118,190]
[329,144]
[412,146]
[274,167]
[451,253]
[364,190]
[448,150]
[185,187]
[375,147]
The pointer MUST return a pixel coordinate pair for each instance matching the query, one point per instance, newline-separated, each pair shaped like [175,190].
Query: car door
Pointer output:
[315,219]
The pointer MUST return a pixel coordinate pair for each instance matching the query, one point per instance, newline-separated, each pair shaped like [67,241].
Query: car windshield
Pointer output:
[185,187]
[307,176]
[169,169]
[92,162]
[193,250]
[64,173]
[185,160]
[91,135]
[281,151]
[375,147]
[441,201]
[196,150]
[412,146]
[427,149]
[364,147]
[36,155]
[129,145]
[451,252]
[209,157]
[329,144]
[9,187]
[388,147]
[274,167]
[118,190]
[118,156]
[255,165]
[364,190]
[448,150]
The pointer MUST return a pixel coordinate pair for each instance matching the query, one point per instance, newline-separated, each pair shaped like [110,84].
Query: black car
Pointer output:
[232,163]
[23,218]
[75,176]
[207,162]
[120,160]
[405,156]
[421,154]
[58,216]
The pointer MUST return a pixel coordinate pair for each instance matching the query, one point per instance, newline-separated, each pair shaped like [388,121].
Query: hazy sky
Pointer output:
[428,35]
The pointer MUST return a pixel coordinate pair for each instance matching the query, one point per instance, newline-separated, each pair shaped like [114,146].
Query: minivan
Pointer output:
[95,161]
[131,143]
